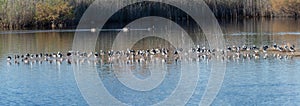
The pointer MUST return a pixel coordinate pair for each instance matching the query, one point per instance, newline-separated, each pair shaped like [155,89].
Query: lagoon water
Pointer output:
[268,82]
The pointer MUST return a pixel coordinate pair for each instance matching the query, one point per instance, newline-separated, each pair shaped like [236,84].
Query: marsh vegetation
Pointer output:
[41,14]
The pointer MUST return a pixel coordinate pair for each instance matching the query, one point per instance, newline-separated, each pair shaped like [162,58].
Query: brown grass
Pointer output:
[285,7]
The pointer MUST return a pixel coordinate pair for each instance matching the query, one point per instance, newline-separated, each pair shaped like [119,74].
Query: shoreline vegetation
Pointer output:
[62,14]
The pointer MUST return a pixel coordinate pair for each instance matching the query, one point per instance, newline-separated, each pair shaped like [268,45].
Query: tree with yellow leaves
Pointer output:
[53,12]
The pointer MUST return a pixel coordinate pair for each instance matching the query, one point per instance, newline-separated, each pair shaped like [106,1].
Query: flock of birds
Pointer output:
[130,56]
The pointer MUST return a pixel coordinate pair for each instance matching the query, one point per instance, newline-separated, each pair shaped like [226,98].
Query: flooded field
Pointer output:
[270,81]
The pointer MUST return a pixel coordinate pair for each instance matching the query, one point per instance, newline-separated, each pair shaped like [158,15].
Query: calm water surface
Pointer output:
[269,82]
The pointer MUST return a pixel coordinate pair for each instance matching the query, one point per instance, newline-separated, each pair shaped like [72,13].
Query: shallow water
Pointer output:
[247,82]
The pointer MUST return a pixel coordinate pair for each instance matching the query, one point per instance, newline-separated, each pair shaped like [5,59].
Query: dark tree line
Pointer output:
[18,14]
